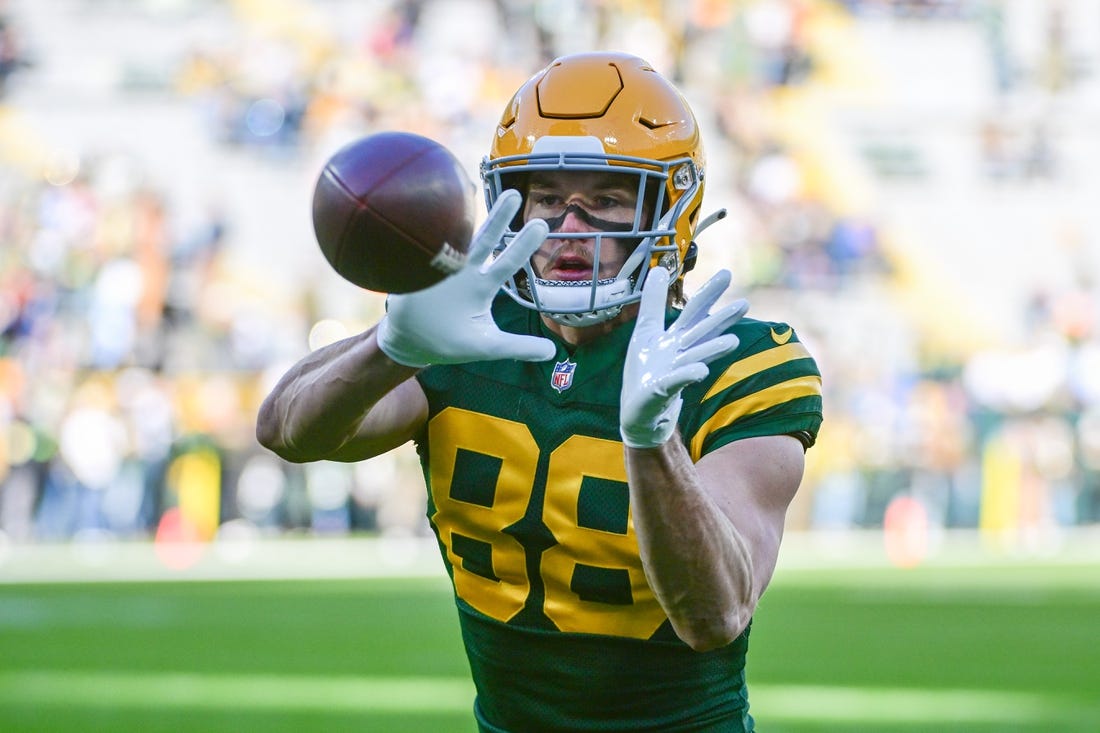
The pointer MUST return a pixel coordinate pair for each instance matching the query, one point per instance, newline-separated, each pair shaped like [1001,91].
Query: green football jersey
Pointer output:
[528,498]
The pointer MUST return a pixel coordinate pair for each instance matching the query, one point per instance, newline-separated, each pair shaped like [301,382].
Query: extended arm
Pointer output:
[346,402]
[708,533]
[356,398]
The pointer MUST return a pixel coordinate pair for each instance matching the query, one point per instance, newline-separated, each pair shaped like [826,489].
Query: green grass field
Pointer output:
[1002,648]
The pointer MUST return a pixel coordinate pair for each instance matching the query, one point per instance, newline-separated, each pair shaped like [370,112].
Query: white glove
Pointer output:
[660,363]
[450,322]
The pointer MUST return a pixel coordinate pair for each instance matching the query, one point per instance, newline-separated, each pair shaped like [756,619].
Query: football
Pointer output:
[393,212]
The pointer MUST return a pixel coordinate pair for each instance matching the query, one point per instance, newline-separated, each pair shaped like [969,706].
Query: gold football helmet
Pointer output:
[589,112]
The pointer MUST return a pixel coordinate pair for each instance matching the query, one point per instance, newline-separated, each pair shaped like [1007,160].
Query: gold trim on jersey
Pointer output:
[750,365]
[777,394]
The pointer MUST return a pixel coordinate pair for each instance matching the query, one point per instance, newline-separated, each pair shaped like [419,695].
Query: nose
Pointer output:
[575,219]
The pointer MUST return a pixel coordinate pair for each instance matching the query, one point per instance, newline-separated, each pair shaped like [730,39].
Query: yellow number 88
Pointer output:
[490,565]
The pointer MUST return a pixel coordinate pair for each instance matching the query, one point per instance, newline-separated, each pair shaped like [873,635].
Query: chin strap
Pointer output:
[555,296]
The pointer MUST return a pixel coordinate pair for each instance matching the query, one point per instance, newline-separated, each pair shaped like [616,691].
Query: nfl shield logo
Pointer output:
[562,379]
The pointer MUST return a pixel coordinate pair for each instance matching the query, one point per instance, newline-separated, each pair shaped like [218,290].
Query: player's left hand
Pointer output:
[660,363]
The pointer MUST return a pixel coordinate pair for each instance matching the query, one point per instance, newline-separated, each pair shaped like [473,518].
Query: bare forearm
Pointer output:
[695,560]
[321,403]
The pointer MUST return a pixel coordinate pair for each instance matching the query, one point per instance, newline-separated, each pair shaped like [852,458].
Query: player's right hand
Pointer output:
[450,322]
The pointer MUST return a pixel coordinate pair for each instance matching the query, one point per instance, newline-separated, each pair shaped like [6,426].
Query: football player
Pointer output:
[608,466]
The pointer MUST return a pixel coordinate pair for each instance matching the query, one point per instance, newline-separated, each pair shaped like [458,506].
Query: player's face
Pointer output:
[577,202]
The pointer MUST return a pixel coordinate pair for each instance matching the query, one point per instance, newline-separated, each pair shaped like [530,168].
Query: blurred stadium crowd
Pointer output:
[134,347]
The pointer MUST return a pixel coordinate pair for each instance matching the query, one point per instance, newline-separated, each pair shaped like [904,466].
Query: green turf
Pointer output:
[369,655]
[860,651]
[1005,648]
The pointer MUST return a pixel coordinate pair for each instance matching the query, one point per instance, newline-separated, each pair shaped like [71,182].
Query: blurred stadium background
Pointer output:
[912,184]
